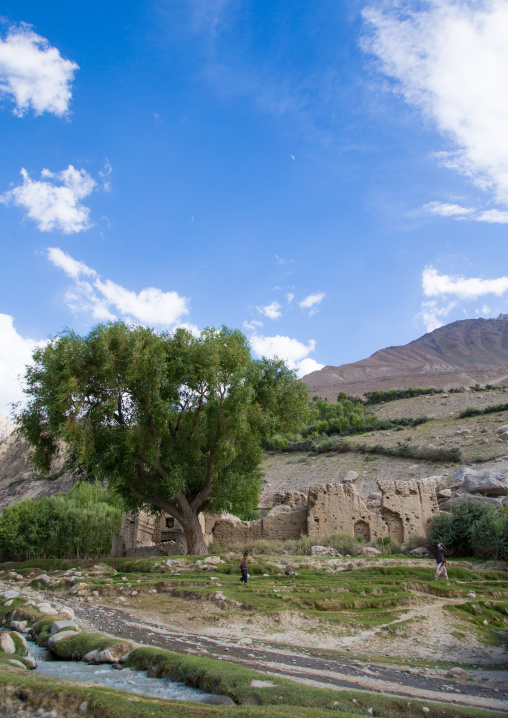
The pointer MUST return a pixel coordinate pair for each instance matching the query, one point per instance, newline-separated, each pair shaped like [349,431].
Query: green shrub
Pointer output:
[472,528]
[80,524]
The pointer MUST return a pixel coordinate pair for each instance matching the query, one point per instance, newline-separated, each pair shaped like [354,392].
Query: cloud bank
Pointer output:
[33,74]
[15,353]
[295,353]
[444,293]
[450,59]
[105,300]
[54,201]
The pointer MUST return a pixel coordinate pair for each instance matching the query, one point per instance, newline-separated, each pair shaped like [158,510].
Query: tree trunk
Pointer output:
[193,532]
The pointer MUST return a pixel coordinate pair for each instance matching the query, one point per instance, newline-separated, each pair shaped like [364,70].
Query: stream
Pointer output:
[124,679]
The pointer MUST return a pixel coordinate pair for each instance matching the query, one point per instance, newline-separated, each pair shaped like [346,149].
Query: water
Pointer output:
[105,675]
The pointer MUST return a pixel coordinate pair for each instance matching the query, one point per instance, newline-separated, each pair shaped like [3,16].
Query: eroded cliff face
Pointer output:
[18,479]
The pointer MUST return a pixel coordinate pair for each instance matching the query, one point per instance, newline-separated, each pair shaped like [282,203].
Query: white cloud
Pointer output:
[292,351]
[252,326]
[450,59]
[101,298]
[33,74]
[444,209]
[435,284]
[311,302]
[493,216]
[54,201]
[456,211]
[290,296]
[15,353]
[432,315]
[272,311]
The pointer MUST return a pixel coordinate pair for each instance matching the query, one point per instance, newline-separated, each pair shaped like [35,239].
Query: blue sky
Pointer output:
[332,178]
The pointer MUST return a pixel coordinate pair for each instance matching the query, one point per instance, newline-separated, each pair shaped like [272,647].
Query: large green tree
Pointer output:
[174,421]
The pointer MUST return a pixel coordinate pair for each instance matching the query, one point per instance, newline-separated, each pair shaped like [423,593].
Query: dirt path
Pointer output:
[487,689]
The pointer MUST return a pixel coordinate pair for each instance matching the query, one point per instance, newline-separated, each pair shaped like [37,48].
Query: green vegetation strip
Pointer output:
[285,698]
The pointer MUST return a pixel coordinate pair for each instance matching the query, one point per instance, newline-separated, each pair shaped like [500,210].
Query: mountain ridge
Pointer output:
[461,353]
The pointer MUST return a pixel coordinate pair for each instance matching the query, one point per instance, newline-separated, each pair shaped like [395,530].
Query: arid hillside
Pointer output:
[459,354]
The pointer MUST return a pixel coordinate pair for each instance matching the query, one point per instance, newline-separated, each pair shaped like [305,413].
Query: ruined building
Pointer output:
[402,509]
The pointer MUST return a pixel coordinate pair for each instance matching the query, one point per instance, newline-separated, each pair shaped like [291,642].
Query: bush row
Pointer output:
[80,524]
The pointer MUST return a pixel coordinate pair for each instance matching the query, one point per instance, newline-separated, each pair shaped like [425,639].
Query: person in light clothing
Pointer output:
[441,563]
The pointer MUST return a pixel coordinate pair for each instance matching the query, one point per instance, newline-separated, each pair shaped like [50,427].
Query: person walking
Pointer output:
[440,560]
[243,569]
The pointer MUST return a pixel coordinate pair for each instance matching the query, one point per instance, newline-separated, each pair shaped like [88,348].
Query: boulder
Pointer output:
[59,625]
[47,610]
[21,646]
[459,673]
[456,500]
[444,494]
[76,588]
[502,429]
[68,613]
[55,584]
[44,578]
[11,594]
[350,477]
[111,654]
[19,625]
[7,644]
[62,636]
[487,482]
[213,560]
[17,664]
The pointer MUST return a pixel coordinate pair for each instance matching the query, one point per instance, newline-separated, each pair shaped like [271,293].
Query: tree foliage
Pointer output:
[472,528]
[174,421]
[77,525]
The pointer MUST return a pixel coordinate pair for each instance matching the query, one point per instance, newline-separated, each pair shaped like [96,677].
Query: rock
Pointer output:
[456,500]
[11,594]
[7,644]
[289,571]
[369,551]
[19,626]
[425,710]
[30,663]
[47,610]
[487,482]
[89,656]
[350,477]
[459,673]
[68,613]
[444,494]
[420,552]
[219,596]
[215,700]
[322,551]
[245,642]
[262,684]
[471,595]
[111,654]
[502,429]
[44,578]
[20,643]
[77,587]
[214,560]
[16,663]
[62,636]
[59,625]
[55,584]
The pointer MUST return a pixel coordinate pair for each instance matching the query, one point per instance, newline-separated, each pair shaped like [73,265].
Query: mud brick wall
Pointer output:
[407,506]
[338,507]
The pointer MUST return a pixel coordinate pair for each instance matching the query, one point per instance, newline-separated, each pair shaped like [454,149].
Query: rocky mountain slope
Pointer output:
[462,353]
[7,426]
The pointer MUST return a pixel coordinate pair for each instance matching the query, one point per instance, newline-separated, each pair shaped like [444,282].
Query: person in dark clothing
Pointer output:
[440,560]
[243,569]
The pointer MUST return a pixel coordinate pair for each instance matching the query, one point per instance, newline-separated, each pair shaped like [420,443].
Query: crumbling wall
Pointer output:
[404,510]
[338,507]
[407,506]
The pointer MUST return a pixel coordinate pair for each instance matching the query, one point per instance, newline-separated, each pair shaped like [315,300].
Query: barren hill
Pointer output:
[458,354]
